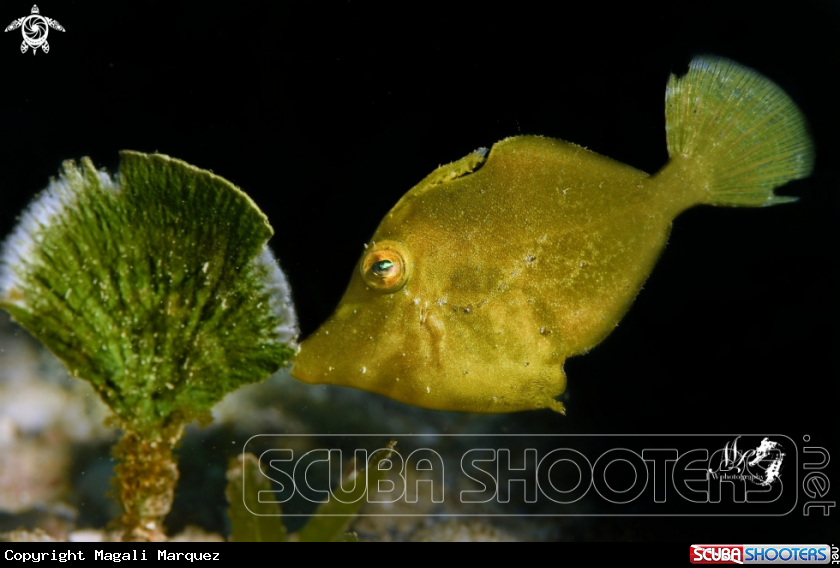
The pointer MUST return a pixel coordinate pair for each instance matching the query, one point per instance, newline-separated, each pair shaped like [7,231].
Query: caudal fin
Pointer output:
[744,132]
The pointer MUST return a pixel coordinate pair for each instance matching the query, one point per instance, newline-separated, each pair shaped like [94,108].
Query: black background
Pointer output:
[326,113]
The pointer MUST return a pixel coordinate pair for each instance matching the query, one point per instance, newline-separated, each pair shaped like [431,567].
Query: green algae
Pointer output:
[157,287]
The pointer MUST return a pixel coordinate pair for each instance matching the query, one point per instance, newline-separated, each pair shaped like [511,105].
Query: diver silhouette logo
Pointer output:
[35,29]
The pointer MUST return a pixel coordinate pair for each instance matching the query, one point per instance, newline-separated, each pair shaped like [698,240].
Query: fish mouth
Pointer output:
[307,367]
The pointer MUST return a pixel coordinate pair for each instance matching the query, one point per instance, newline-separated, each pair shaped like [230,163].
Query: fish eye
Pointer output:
[385,267]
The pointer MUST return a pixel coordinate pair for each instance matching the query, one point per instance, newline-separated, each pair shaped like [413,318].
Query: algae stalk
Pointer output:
[145,478]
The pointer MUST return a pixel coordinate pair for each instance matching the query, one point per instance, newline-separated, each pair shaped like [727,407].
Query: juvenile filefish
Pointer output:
[492,271]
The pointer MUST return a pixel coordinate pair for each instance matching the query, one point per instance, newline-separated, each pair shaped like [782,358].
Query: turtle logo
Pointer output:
[35,28]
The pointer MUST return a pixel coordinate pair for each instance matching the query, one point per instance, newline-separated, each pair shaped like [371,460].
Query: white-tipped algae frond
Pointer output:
[20,246]
[277,287]
[156,285]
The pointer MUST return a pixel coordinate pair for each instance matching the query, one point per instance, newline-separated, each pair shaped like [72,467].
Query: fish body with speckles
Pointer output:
[491,272]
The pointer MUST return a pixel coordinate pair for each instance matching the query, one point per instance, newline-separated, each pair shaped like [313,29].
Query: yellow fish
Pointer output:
[492,271]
